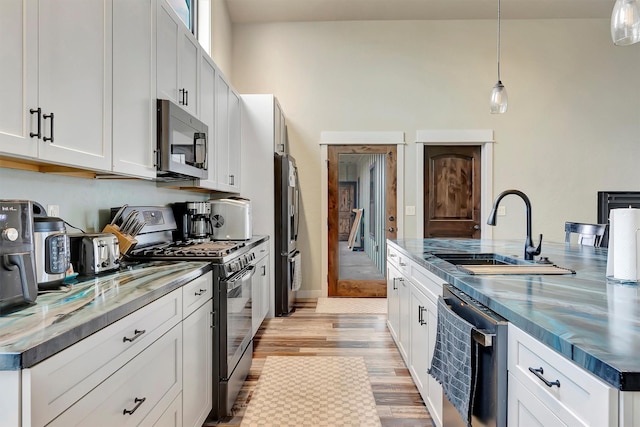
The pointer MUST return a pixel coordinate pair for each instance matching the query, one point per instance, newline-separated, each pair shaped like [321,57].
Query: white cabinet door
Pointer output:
[419,341]
[234,141]
[525,410]
[207,98]
[260,291]
[74,82]
[197,330]
[188,59]
[404,329]
[393,302]
[167,36]
[222,133]
[279,141]
[134,88]
[19,71]
[177,60]
[433,398]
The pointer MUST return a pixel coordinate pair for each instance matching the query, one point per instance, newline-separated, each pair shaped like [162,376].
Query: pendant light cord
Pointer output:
[498,40]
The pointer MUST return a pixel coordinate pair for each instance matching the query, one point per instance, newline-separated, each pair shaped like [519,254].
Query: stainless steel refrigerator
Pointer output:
[287,225]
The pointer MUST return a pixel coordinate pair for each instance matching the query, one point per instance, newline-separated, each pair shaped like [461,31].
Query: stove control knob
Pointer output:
[10,234]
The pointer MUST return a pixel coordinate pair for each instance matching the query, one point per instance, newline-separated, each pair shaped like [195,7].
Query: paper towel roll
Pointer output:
[622,259]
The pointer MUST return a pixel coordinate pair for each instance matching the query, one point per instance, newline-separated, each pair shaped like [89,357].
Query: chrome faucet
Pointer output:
[529,249]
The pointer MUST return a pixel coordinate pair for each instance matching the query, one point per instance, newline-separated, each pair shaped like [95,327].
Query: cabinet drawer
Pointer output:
[196,293]
[427,282]
[58,382]
[149,382]
[399,260]
[580,394]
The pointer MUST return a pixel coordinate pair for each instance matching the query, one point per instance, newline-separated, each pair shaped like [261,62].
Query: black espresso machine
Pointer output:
[18,285]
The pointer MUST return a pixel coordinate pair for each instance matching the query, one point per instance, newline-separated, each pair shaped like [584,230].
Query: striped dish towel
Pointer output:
[451,363]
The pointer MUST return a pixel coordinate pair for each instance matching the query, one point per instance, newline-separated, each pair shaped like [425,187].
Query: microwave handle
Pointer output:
[196,137]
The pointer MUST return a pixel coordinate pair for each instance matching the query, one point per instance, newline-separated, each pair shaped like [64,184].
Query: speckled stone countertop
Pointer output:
[589,319]
[62,318]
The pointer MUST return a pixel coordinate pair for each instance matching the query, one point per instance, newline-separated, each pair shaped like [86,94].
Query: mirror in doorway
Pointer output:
[361,237]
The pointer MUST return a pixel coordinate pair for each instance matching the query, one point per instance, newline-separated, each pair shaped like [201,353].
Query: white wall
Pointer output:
[573,125]
[221,36]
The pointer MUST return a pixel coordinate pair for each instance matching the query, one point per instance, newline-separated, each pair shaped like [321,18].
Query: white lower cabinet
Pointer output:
[544,385]
[412,295]
[197,330]
[152,367]
[171,417]
[260,287]
[393,300]
[148,383]
[525,410]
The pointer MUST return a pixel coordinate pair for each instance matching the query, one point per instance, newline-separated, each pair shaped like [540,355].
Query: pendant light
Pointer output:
[499,99]
[625,22]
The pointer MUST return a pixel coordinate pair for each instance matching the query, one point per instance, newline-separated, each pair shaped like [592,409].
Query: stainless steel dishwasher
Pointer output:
[489,355]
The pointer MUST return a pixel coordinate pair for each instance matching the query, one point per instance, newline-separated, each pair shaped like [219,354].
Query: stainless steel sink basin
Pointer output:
[478,259]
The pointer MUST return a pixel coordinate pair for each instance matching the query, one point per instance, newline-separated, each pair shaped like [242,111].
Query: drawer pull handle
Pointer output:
[402,264]
[137,335]
[538,373]
[200,292]
[138,402]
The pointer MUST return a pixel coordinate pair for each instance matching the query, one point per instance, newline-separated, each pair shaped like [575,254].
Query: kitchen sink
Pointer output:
[478,259]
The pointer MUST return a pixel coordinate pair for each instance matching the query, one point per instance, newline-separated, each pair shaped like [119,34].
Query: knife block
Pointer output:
[125,241]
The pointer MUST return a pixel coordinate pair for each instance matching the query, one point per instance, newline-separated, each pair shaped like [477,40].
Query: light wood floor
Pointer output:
[306,333]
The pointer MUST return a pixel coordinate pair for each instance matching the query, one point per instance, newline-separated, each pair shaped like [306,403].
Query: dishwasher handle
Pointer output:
[483,338]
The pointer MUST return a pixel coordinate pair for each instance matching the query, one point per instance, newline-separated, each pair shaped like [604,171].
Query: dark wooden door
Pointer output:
[351,287]
[346,203]
[452,191]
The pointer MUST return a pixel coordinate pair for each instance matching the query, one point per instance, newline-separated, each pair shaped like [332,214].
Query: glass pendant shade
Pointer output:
[499,99]
[625,22]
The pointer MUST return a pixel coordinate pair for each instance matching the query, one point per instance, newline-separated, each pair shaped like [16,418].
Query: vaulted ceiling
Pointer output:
[243,11]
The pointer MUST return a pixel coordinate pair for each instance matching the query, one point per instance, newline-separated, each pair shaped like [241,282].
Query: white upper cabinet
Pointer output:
[227,136]
[19,71]
[234,141]
[74,82]
[56,71]
[177,60]
[208,115]
[134,88]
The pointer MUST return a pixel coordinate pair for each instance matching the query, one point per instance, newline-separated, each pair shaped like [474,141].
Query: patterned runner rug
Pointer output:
[352,305]
[312,391]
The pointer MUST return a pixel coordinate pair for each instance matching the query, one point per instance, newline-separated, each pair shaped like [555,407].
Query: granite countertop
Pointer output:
[586,317]
[62,318]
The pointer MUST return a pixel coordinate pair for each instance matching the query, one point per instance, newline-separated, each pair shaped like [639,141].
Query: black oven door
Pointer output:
[237,316]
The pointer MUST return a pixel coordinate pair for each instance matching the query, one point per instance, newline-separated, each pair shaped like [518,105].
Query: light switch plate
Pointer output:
[410,210]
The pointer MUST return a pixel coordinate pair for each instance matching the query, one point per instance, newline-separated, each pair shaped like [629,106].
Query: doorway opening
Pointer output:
[361,216]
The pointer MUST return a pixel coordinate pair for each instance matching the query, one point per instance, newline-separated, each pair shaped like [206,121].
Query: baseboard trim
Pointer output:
[317,293]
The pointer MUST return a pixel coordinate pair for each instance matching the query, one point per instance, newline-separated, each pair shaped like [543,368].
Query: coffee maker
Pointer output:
[18,286]
[194,221]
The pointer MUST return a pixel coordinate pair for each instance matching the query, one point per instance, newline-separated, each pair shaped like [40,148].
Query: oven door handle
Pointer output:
[246,275]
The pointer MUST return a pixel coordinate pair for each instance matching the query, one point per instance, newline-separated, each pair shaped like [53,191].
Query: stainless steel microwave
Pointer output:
[182,144]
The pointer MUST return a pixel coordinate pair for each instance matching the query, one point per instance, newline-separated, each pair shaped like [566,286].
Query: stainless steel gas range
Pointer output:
[233,270]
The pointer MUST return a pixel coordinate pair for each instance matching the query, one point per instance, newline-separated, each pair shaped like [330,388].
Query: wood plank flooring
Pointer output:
[306,333]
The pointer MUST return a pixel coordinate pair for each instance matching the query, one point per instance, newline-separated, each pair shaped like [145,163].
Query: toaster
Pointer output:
[94,253]
[231,219]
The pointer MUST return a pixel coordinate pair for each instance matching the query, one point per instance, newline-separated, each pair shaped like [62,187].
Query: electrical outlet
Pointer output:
[502,210]
[53,210]
[410,210]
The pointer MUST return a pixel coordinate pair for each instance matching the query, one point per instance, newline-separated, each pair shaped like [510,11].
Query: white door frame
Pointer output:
[482,137]
[356,138]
